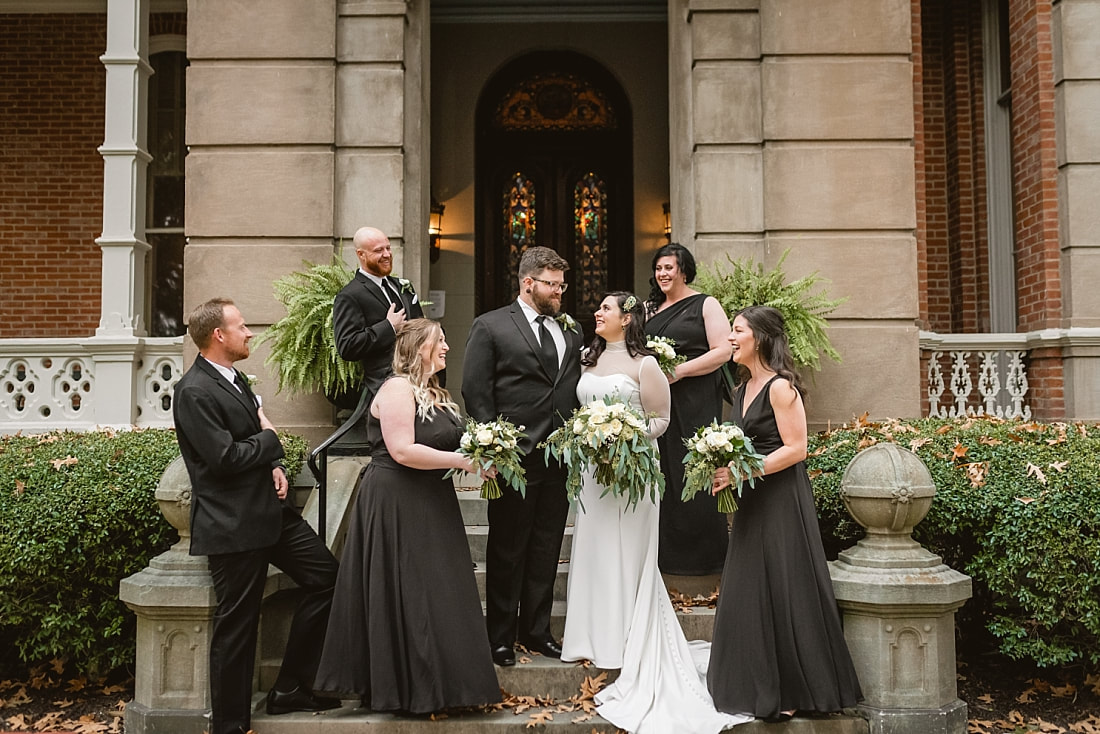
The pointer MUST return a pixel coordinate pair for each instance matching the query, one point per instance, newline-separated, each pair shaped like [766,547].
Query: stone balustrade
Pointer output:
[976,374]
[49,384]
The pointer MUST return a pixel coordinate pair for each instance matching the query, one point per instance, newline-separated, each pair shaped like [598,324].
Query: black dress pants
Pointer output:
[521,557]
[239,580]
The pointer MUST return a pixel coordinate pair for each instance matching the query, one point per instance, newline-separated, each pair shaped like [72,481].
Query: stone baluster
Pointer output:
[899,600]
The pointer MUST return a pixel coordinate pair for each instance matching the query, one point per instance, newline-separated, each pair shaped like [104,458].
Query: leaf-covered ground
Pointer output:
[1002,696]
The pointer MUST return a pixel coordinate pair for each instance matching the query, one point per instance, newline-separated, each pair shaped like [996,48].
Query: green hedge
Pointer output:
[1017,508]
[77,515]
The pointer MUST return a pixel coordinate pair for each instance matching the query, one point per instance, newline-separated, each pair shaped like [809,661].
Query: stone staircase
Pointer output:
[534,675]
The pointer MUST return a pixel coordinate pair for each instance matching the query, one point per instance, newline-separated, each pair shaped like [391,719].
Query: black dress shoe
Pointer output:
[504,656]
[549,648]
[298,700]
[779,718]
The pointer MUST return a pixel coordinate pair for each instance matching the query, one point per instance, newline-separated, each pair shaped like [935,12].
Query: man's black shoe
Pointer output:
[504,656]
[298,700]
[549,648]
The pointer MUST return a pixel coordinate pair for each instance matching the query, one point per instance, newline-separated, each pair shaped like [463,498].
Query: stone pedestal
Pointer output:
[898,599]
[173,599]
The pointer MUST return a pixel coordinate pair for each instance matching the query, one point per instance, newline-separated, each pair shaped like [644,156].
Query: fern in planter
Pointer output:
[804,312]
[303,345]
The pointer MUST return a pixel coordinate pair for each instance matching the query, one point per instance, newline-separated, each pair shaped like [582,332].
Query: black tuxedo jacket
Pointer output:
[503,375]
[229,458]
[362,332]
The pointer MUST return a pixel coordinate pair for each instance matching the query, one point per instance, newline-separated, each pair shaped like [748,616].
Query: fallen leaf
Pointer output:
[1035,471]
[539,717]
[63,703]
[19,487]
[77,684]
[1058,465]
[58,665]
[916,443]
[987,441]
[959,451]
[1025,500]
[943,429]
[976,472]
[67,461]
[1027,696]
[1067,691]
[985,698]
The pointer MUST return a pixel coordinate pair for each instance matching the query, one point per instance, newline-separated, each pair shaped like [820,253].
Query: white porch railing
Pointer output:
[48,384]
[995,365]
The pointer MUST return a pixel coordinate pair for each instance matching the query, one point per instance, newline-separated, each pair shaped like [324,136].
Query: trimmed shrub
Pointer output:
[1017,508]
[77,515]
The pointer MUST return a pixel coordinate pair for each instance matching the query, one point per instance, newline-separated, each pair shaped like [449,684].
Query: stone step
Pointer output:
[561,581]
[478,535]
[353,720]
[475,511]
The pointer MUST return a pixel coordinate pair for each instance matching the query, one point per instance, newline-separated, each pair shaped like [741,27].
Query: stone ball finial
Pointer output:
[887,489]
[174,497]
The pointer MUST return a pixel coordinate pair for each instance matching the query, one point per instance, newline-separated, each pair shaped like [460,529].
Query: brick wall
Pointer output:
[51,175]
[1035,165]
[951,195]
[955,297]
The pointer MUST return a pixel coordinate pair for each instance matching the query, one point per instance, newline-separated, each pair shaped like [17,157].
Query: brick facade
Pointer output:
[51,187]
[951,190]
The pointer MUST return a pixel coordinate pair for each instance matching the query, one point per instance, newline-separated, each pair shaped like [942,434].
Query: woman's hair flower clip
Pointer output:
[630,303]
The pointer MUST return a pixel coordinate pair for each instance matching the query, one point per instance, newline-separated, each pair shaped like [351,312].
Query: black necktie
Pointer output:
[238,382]
[548,353]
[392,294]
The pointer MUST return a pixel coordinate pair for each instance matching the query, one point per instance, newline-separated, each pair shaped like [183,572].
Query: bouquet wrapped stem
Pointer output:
[715,446]
[609,438]
[493,444]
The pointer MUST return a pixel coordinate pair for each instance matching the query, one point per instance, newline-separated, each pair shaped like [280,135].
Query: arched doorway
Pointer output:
[553,168]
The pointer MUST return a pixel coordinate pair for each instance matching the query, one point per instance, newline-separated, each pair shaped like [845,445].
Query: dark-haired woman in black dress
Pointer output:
[778,644]
[692,534]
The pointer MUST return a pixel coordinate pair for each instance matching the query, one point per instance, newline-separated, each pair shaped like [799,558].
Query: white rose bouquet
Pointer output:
[610,438]
[494,444]
[716,446]
[665,350]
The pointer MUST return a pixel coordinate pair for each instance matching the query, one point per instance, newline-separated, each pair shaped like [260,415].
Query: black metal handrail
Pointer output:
[320,470]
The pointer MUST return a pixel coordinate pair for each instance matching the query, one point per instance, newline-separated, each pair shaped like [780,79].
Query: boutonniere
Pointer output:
[567,322]
[251,380]
[405,283]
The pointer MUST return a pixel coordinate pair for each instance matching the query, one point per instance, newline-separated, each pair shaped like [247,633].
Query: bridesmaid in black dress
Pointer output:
[778,644]
[692,540]
[406,632]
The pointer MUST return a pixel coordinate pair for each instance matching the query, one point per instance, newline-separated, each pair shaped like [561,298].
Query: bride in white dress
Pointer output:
[618,612]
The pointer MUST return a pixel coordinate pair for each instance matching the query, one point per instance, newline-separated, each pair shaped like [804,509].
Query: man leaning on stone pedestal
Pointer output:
[241,522]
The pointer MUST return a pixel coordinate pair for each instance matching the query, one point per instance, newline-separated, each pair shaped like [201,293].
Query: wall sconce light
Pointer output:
[435,229]
[668,221]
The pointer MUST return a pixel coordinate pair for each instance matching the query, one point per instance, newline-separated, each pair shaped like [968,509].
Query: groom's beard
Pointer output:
[546,305]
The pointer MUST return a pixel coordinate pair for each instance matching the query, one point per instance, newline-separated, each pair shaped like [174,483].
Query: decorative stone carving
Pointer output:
[898,599]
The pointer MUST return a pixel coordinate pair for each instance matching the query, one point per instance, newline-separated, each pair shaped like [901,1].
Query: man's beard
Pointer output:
[545,305]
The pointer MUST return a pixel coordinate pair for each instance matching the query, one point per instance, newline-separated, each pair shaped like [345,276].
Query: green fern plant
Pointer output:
[303,345]
[803,311]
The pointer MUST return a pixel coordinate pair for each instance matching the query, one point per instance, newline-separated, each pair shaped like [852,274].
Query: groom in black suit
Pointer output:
[240,521]
[523,363]
[368,310]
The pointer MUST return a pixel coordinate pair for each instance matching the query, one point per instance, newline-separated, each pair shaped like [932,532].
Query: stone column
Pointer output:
[898,599]
[382,130]
[1076,30]
[125,160]
[174,601]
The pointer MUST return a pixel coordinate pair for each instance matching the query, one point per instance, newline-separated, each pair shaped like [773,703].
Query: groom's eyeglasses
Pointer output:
[560,287]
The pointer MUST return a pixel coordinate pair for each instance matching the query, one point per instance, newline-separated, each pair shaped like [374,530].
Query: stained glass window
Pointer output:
[519,221]
[590,240]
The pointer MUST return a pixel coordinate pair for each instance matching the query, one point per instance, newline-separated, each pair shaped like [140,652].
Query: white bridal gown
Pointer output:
[618,611]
